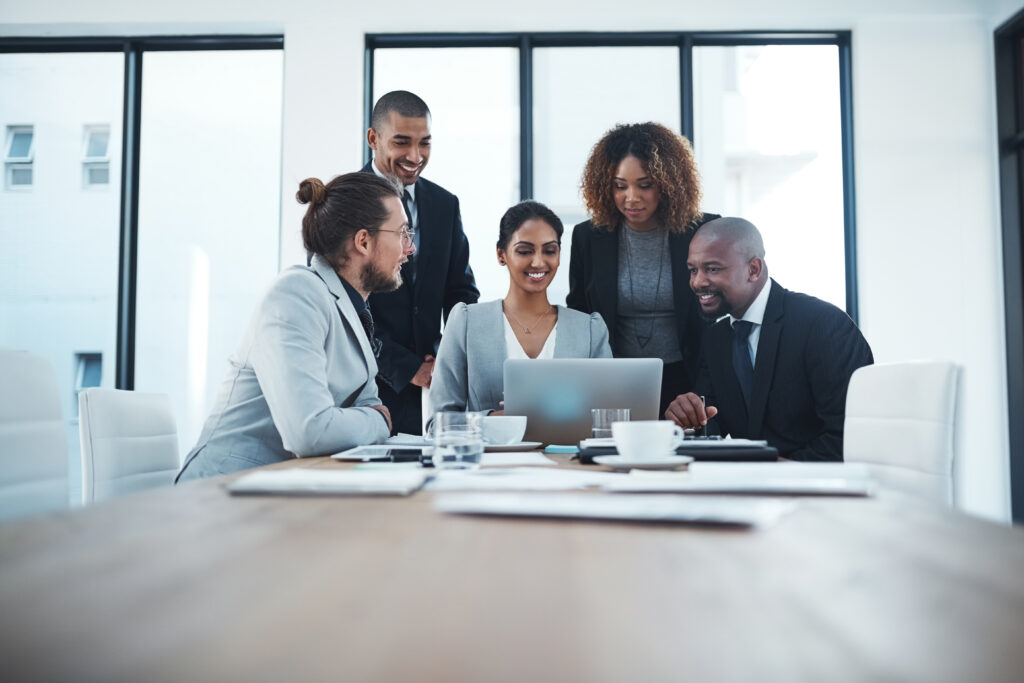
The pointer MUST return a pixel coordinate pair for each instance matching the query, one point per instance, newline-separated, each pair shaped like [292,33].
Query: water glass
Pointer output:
[603,418]
[458,440]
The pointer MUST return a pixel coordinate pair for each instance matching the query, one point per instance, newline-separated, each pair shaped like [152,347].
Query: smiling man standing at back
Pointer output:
[408,320]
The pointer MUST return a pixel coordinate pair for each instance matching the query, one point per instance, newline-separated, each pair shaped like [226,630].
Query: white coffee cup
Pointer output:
[502,430]
[646,438]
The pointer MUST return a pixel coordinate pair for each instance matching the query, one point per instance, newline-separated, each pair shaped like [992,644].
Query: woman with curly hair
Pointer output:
[628,262]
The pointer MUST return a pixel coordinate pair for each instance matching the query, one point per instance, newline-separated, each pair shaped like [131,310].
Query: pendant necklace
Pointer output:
[516,320]
[645,339]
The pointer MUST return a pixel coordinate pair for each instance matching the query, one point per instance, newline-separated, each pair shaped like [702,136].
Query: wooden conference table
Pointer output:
[190,584]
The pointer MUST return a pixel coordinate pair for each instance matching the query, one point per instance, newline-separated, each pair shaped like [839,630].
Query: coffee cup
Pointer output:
[646,438]
[502,430]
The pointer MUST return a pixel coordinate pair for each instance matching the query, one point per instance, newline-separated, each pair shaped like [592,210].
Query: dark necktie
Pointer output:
[741,330]
[411,266]
[366,318]
[406,198]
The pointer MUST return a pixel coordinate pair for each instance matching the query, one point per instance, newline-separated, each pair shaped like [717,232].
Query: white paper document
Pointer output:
[402,439]
[300,481]
[837,479]
[747,512]
[518,479]
[509,459]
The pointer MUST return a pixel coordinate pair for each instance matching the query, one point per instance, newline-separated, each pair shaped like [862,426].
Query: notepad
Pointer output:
[732,511]
[821,479]
[319,482]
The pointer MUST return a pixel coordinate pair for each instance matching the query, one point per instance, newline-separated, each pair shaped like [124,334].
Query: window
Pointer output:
[484,117]
[767,113]
[208,233]
[18,158]
[95,161]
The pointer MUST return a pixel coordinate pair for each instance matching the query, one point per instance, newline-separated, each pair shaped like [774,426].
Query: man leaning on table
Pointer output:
[301,382]
[777,366]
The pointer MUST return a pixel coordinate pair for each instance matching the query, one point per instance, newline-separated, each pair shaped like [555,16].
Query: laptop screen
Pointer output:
[557,394]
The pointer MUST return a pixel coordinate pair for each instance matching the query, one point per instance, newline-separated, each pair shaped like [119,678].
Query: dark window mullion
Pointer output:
[127,280]
[686,86]
[849,195]
[525,118]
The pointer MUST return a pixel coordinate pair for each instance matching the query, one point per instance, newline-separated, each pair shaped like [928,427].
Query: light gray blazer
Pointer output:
[468,372]
[300,383]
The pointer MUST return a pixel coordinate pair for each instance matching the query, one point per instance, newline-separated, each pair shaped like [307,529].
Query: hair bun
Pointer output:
[311,190]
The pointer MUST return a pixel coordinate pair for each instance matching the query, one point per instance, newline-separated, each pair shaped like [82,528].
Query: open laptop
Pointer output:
[557,394]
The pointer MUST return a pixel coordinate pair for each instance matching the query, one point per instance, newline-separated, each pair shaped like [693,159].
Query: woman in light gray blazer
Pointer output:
[301,382]
[479,337]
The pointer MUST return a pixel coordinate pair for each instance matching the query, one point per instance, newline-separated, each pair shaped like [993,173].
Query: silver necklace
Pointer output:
[644,339]
[516,320]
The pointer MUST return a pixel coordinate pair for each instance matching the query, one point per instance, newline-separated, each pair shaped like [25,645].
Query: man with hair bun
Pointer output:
[777,364]
[439,277]
[301,382]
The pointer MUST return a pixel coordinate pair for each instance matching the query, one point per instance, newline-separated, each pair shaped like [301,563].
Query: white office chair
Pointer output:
[33,437]
[900,421]
[129,442]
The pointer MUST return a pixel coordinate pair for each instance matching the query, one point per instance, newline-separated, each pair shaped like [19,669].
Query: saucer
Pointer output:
[653,462]
[511,447]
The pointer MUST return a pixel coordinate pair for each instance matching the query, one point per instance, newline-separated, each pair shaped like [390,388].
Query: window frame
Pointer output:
[94,162]
[19,163]
[133,48]
[685,41]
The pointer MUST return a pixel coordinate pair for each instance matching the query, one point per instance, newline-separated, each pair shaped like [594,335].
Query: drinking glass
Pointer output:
[603,418]
[458,440]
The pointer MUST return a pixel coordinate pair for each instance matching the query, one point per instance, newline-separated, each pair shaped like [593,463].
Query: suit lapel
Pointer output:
[345,308]
[605,265]
[767,349]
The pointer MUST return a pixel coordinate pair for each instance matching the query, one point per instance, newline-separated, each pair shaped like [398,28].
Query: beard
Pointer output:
[723,308]
[376,280]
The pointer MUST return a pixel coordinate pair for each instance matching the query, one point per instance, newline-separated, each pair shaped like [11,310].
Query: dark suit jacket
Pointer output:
[594,281]
[408,320]
[806,353]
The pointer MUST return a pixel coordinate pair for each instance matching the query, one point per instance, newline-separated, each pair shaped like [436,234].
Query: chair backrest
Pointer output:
[129,442]
[33,437]
[900,420]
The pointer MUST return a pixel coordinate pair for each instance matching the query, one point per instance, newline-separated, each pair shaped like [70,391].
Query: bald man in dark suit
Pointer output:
[777,366]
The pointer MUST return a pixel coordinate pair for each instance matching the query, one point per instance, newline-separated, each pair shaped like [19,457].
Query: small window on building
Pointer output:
[18,157]
[88,373]
[95,157]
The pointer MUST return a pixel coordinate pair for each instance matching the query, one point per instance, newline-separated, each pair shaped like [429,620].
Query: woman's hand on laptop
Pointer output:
[688,411]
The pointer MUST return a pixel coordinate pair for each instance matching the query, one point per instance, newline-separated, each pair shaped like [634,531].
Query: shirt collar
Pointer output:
[755,312]
[358,302]
[411,189]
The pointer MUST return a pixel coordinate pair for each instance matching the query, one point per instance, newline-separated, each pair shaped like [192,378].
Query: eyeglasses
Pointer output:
[407,235]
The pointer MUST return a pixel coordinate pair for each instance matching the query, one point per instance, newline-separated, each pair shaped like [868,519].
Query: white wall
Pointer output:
[929,245]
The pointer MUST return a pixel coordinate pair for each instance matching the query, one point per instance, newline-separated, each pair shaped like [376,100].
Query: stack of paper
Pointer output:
[746,512]
[841,479]
[518,479]
[400,482]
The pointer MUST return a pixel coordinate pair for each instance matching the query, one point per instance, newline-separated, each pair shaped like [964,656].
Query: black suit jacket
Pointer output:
[594,282]
[806,353]
[408,320]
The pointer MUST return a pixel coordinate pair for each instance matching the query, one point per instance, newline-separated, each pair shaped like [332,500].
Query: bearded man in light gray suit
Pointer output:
[301,382]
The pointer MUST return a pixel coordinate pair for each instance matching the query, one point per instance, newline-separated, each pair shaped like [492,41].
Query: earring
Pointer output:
[501,261]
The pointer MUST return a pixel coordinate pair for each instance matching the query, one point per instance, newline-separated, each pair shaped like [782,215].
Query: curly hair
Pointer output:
[667,158]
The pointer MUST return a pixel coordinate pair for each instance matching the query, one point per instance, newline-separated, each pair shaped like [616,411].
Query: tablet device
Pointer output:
[556,395]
